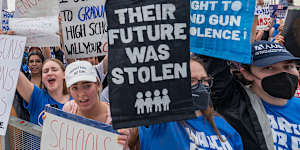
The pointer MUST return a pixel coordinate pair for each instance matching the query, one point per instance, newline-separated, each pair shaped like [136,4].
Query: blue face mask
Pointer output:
[201,96]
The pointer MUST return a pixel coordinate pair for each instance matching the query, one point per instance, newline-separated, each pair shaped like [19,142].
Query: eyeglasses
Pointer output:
[36,61]
[208,81]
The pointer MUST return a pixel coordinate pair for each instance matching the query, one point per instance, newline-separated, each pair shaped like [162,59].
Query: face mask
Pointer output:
[200,96]
[282,85]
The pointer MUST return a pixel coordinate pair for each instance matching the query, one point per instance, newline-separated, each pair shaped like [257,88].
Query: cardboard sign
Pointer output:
[11,54]
[149,62]
[84,28]
[40,32]
[291,31]
[222,29]
[263,14]
[35,8]
[62,130]
[277,12]
[5,20]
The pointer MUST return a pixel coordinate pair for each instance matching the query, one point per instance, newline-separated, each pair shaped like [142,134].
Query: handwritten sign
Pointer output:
[62,130]
[36,8]
[220,28]
[11,54]
[40,32]
[149,62]
[263,13]
[84,28]
[5,20]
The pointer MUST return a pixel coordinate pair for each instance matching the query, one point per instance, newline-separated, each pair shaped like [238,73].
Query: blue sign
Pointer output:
[222,29]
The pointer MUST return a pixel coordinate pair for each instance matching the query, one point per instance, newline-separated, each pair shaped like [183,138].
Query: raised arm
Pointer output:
[24,87]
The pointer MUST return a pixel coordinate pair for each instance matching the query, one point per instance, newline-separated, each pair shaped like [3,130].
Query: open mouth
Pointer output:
[51,80]
[83,101]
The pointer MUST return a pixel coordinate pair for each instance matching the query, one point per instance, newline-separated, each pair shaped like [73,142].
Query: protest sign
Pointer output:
[148,62]
[11,54]
[62,130]
[222,29]
[40,32]
[263,13]
[291,31]
[5,20]
[84,28]
[277,12]
[35,8]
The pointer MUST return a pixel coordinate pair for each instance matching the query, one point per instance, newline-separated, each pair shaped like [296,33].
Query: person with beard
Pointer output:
[262,109]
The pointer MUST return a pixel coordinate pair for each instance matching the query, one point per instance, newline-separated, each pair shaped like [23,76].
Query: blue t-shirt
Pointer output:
[285,124]
[177,136]
[38,100]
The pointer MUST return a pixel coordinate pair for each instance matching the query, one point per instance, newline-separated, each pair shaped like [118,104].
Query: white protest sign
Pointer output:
[84,28]
[40,32]
[61,131]
[11,54]
[263,13]
[36,8]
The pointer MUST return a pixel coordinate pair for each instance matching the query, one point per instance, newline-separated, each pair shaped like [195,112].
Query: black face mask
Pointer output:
[281,85]
[201,96]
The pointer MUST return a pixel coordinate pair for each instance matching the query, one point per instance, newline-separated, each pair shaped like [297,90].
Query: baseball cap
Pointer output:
[265,53]
[80,71]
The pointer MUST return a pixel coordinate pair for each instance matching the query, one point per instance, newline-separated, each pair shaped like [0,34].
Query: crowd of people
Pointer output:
[243,106]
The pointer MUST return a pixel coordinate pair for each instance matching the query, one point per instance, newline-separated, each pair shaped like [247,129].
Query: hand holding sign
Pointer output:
[84,28]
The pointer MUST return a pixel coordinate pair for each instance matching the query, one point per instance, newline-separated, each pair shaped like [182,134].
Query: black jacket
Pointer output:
[232,102]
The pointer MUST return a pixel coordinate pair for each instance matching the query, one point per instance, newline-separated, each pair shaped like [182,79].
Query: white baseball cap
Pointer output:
[80,71]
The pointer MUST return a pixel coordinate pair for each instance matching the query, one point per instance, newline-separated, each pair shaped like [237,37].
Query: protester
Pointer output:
[35,62]
[83,85]
[101,70]
[55,90]
[264,111]
[207,131]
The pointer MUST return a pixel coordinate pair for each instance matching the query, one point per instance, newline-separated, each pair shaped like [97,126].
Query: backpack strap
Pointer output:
[263,120]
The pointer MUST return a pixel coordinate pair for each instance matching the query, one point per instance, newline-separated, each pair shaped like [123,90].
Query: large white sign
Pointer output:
[40,32]
[36,8]
[62,130]
[84,28]
[11,54]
